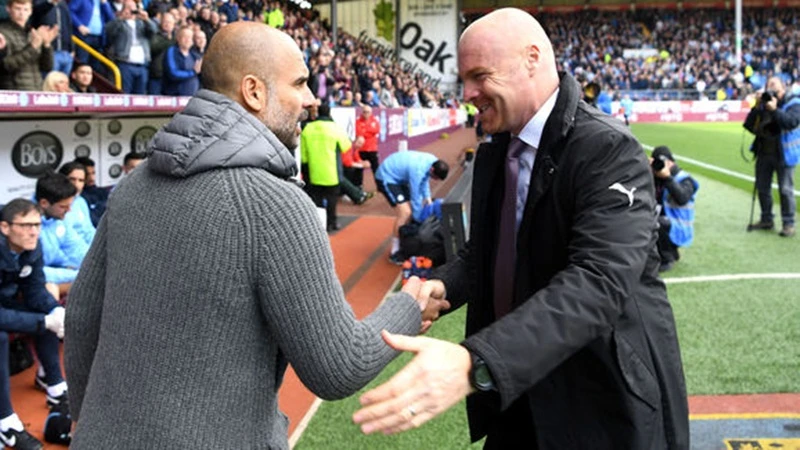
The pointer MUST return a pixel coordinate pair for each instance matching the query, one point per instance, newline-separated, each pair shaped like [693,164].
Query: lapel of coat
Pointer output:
[548,155]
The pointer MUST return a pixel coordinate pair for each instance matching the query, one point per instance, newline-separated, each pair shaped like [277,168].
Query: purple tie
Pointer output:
[506,244]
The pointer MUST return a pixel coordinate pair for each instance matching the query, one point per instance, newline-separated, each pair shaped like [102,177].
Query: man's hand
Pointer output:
[48,34]
[772,104]
[83,30]
[35,38]
[434,291]
[665,171]
[198,65]
[2,42]
[412,288]
[55,321]
[436,379]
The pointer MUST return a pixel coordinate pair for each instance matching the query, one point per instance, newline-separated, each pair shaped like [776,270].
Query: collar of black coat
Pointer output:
[561,119]
[215,132]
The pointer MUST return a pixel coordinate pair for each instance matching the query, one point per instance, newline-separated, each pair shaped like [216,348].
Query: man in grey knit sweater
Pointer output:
[210,272]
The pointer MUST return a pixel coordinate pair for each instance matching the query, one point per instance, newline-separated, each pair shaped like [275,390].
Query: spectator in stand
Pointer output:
[200,41]
[404,179]
[56,81]
[95,196]
[387,94]
[129,46]
[27,53]
[78,216]
[368,128]
[27,307]
[89,19]
[63,47]
[132,160]
[82,76]
[182,66]
[62,247]
[159,44]
[230,9]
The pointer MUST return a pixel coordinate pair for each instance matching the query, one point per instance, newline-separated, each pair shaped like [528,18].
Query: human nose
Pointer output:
[470,91]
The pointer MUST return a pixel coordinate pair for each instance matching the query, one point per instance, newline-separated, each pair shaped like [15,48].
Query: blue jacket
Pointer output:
[79,219]
[63,251]
[410,168]
[81,11]
[179,75]
[96,197]
[23,276]
[788,118]
[681,217]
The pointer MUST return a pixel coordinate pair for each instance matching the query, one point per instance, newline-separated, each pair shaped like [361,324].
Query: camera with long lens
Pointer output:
[658,163]
[767,96]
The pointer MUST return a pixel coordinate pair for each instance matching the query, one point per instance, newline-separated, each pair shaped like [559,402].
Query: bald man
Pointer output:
[571,340]
[210,272]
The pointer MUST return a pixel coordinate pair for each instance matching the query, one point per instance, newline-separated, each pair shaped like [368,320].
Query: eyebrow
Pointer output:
[301,80]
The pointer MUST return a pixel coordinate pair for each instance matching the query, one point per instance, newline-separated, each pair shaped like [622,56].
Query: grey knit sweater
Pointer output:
[209,273]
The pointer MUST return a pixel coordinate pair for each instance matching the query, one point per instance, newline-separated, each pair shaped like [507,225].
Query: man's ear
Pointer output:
[253,96]
[532,55]
[5,228]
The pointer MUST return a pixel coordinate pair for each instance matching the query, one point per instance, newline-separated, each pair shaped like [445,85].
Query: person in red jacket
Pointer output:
[368,127]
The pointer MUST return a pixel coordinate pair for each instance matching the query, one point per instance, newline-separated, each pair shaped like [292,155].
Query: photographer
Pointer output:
[774,121]
[675,190]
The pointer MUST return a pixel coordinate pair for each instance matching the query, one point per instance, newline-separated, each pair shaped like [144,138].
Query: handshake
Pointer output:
[55,321]
[430,296]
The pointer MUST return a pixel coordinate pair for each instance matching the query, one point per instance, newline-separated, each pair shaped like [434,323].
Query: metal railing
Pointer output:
[103,60]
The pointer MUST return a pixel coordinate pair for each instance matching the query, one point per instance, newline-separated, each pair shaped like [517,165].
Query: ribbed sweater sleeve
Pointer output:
[82,321]
[302,300]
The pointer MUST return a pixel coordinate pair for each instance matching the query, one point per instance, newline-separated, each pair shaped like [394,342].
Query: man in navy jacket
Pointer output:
[27,307]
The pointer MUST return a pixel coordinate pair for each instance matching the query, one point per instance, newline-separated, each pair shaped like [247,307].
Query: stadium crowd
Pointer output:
[158,46]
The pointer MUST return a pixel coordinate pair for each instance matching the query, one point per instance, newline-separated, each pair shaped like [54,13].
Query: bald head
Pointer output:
[508,67]
[243,48]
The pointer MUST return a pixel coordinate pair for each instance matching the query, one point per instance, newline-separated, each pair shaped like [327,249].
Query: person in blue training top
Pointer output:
[182,66]
[627,108]
[403,178]
[95,196]
[27,307]
[78,216]
[675,192]
[62,247]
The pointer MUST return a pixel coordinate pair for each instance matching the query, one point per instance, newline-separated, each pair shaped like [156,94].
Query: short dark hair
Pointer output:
[663,150]
[18,207]
[54,187]
[85,161]
[440,169]
[77,65]
[71,166]
[131,156]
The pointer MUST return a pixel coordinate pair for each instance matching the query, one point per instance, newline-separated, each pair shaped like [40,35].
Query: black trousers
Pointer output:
[666,249]
[372,157]
[326,197]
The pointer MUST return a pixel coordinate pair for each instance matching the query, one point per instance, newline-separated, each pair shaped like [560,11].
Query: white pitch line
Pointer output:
[734,277]
[731,173]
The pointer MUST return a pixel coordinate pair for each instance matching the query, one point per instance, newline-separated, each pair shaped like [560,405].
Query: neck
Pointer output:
[16,249]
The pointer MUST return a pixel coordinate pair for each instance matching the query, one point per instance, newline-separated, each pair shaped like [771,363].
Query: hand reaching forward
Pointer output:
[434,293]
[436,379]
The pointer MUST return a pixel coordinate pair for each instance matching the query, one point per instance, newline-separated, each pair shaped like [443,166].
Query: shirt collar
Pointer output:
[531,134]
